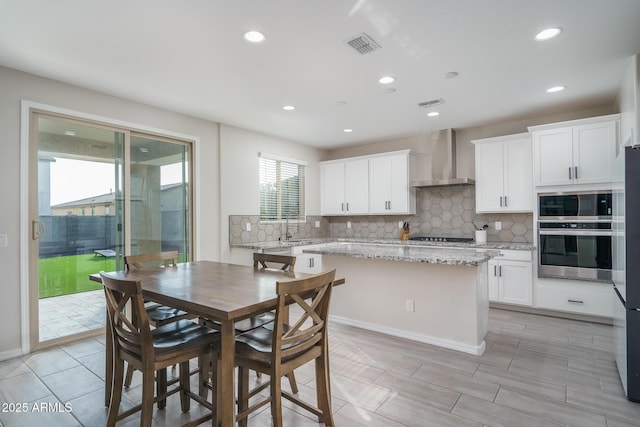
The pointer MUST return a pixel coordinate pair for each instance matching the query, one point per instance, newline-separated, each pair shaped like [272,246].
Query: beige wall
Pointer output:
[16,86]
[239,191]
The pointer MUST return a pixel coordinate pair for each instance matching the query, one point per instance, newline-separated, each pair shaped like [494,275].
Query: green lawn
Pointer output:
[70,274]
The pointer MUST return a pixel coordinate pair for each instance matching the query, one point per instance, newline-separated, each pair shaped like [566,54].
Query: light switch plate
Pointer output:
[3,240]
[348,224]
[317,224]
[498,225]
[248,226]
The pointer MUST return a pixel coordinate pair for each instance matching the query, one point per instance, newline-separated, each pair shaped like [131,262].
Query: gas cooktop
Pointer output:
[442,239]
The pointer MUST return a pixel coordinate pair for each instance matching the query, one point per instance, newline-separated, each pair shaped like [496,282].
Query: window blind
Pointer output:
[281,190]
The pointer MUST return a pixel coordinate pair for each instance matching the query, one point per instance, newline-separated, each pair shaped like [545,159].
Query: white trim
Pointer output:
[26,107]
[283,159]
[11,354]
[427,339]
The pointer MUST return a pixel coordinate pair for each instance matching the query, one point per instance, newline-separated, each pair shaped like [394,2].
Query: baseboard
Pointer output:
[553,313]
[11,354]
[452,345]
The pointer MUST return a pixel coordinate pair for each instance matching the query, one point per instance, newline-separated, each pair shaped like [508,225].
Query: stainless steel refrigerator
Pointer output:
[626,272]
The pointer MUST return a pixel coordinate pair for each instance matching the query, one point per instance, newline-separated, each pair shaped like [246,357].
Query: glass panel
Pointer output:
[159,195]
[78,180]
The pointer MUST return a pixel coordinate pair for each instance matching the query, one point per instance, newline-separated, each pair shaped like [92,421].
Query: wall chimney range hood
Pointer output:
[439,164]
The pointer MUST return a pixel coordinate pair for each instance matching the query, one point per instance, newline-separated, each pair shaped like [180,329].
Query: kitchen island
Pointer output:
[435,295]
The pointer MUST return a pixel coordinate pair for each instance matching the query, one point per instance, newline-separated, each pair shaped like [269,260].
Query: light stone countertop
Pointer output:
[285,244]
[408,253]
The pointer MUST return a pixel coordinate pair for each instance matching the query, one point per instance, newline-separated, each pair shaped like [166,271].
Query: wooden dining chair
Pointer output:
[279,350]
[157,314]
[263,263]
[150,351]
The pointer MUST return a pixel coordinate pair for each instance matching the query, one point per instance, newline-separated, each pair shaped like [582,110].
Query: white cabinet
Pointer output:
[375,184]
[575,152]
[511,278]
[389,191]
[504,180]
[307,263]
[345,187]
[573,296]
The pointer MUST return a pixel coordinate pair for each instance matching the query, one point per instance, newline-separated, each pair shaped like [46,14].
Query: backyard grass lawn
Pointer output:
[70,274]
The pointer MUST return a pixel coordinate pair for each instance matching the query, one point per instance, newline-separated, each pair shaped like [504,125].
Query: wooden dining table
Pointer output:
[223,292]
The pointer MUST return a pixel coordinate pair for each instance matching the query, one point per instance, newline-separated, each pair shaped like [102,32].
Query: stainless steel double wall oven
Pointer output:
[574,235]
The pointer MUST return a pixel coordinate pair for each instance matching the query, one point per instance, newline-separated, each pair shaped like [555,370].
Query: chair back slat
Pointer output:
[266,261]
[159,259]
[131,333]
[309,330]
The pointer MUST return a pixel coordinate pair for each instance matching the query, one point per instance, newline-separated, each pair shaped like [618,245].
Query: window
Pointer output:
[281,188]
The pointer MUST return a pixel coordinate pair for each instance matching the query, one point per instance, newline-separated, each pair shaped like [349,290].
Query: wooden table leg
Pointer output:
[225,378]
[108,361]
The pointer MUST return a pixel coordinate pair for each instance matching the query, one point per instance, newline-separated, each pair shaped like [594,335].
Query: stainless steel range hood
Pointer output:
[439,164]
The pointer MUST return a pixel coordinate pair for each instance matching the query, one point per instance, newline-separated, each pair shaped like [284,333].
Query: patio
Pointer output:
[71,314]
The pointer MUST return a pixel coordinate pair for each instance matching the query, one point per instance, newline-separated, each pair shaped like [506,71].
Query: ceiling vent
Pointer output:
[363,43]
[432,103]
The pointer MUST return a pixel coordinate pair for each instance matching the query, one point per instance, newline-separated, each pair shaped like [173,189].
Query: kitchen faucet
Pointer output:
[287,235]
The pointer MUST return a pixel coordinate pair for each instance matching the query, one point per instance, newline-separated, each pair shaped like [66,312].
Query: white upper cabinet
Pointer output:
[575,152]
[345,187]
[504,180]
[376,184]
[389,191]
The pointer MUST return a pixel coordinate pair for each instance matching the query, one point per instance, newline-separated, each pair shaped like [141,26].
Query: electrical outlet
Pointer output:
[400,224]
[248,226]
[317,224]
[498,225]
[410,305]
[348,224]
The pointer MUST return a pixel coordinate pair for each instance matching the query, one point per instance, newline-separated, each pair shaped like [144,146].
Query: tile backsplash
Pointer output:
[440,211]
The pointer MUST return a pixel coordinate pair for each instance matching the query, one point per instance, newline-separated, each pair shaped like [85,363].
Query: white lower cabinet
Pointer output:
[574,296]
[307,263]
[511,278]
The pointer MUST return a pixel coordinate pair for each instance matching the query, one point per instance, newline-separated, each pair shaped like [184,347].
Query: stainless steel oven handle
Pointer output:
[575,233]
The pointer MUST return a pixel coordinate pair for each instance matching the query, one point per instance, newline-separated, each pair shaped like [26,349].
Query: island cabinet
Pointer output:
[345,187]
[307,263]
[510,278]
[389,191]
[374,184]
[504,180]
[575,152]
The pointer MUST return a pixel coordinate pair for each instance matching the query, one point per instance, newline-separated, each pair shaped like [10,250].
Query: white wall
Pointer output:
[16,86]
[239,190]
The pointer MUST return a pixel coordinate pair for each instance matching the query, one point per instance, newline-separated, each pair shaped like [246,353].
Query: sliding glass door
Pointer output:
[102,193]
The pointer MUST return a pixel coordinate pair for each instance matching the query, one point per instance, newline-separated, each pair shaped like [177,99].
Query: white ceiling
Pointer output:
[190,57]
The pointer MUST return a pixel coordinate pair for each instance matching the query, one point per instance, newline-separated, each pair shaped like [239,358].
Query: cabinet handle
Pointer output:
[495,270]
[569,172]
[500,201]
[577,301]
[575,172]
[500,270]
[342,209]
[505,201]
[310,262]
[347,207]
[389,204]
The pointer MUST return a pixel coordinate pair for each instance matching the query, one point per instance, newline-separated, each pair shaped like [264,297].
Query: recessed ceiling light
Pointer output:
[348,130]
[547,34]
[70,133]
[556,89]
[433,114]
[386,80]
[289,107]
[254,36]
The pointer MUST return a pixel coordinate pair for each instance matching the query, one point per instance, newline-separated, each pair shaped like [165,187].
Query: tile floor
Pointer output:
[537,370]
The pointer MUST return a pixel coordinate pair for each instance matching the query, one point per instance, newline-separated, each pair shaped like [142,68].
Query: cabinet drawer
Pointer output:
[587,299]
[515,255]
